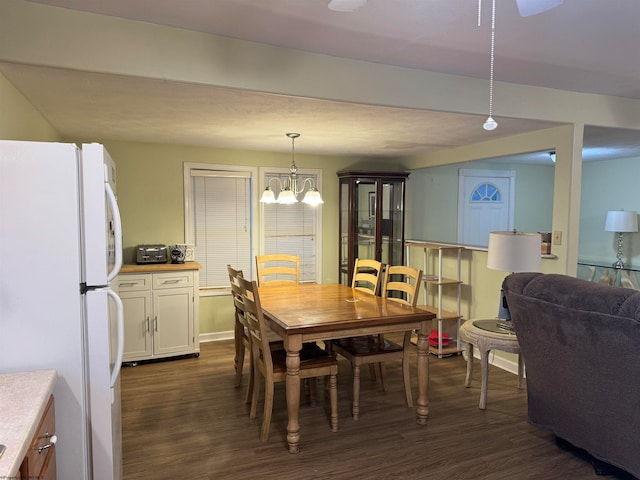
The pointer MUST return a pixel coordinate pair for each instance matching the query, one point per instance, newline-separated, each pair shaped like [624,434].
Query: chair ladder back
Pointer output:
[408,285]
[250,300]
[366,275]
[277,269]
[236,293]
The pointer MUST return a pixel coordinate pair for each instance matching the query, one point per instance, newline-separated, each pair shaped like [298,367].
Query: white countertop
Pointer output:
[23,398]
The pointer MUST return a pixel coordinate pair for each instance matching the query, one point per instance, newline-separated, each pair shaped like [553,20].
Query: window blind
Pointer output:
[221,208]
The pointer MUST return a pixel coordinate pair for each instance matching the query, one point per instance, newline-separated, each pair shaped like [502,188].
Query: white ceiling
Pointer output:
[582,45]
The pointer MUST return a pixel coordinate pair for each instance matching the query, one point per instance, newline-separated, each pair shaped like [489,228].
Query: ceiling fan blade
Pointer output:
[534,7]
[346,5]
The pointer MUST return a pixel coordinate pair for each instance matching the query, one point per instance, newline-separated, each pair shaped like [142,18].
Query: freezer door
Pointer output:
[105,341]
[102,231]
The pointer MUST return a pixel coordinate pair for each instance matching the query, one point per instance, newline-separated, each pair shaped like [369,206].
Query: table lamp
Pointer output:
[621,222]
[513,252]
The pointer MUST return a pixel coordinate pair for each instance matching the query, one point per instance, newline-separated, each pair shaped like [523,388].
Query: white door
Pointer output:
[485,204]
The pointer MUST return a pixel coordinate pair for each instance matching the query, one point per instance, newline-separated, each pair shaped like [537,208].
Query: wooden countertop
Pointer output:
[23,398]
[159,267]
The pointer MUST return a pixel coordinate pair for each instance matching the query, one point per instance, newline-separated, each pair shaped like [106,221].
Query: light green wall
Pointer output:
[608,185]
[438,186]
[19,120]
[481,285]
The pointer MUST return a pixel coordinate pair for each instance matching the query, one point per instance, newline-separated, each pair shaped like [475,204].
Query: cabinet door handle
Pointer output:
[147,324]
[155,323]
[52,441]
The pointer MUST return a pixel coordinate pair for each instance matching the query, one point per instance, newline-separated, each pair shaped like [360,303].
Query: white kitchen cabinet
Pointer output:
[160,311]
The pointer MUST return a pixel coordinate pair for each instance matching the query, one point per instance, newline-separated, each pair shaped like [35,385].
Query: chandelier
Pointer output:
[289,190]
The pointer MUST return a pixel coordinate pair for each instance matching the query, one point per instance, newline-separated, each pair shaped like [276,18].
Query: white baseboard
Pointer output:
[216,336]
[499,361]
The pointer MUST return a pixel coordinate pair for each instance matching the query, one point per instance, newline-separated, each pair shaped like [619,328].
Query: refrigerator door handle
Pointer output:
[117,231]
[120,333]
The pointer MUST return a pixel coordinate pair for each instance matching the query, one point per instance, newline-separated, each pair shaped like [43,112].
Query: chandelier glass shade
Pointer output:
[292,186]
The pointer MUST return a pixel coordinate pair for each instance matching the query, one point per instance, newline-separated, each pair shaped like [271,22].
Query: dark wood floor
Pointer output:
[183,419]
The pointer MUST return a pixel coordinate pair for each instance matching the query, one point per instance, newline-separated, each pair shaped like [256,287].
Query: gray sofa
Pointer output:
[581,347]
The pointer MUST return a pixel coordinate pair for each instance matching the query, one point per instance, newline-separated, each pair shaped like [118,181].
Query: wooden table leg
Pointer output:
[355,406]
[467,380]
[520,372]
[422,403]
[484,360]
[293,345]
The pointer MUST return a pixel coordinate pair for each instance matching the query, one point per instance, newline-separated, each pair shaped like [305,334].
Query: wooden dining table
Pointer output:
[312,312]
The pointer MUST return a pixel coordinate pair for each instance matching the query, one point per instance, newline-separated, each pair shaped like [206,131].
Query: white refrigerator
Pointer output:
[60,247]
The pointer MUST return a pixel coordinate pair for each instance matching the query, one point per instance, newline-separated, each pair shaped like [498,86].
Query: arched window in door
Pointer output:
[485,204]
[486,192]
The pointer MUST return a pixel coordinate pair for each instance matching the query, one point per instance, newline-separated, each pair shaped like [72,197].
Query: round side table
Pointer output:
[487,335]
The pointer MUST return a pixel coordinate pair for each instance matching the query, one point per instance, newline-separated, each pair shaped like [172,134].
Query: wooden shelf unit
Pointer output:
[434,279]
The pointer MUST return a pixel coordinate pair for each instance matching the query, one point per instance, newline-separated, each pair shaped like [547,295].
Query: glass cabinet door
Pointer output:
[365,219]
[371,219]
[392,223]
[344,231]
[358,228]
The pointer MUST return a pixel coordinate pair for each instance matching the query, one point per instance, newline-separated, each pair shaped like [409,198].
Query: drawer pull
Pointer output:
[127,284]
[170,281]
[52,441]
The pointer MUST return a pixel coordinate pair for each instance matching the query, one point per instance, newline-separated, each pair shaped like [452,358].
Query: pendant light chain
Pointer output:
[493,48]
[490,123]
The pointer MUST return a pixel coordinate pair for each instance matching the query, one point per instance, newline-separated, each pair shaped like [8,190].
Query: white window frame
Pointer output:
[264,172]
[225,170]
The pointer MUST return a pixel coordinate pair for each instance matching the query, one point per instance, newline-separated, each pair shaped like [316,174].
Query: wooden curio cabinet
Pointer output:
[371,219]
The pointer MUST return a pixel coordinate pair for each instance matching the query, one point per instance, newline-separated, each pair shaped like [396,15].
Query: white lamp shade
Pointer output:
[621,221]
[287,197]
[514,251]
[312,197]
[268,196]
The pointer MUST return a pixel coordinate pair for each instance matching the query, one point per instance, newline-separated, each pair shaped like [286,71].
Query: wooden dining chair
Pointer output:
[366,275]
[271,364]
[282,269]
[242,339]
[402,285]
[241,336]
[277,269]
[366,278]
